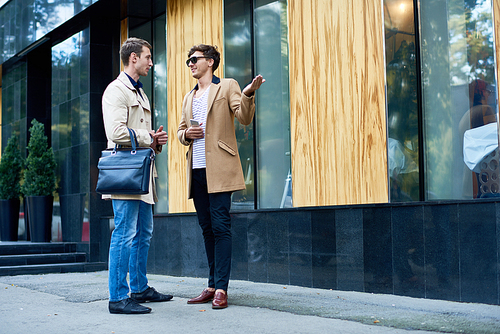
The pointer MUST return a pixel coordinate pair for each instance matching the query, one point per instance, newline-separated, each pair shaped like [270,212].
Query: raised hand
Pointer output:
[254,85]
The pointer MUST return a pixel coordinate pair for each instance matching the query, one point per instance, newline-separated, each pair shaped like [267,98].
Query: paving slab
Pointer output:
[77,302]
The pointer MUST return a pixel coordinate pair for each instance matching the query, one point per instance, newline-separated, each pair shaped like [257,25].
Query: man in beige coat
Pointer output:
[213,163]
[125,105]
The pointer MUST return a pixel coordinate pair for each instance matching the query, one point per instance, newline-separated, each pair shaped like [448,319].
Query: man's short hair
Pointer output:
[134,45]
[209,51]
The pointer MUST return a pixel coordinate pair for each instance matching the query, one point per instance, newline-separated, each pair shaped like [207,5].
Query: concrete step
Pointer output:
[52,268]
[26,247]
[30,259]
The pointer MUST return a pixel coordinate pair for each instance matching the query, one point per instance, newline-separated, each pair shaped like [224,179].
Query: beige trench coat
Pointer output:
[122,107]
[225,102]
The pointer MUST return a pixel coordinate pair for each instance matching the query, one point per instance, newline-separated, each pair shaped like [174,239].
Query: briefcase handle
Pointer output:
[133,140]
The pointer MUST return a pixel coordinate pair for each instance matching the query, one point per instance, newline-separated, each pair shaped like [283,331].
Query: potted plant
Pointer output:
[11,164]
[39,183]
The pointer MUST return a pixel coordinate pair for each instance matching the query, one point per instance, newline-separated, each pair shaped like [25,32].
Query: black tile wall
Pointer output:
[324,253]
[497,206]
[444,251]
[167,236]
[257,245]
[164,253]
[377,250]
[300,248]
[408,251]
[192,253]
[349,243]
[441,252]
[72,214]
[239,265]
[478,253]
[278,246]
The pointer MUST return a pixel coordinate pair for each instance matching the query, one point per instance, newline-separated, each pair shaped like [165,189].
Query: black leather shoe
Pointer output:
[150,295]
[127,306]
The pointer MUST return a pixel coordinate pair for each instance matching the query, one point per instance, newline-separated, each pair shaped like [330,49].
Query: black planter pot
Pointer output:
[9,219]
[40,217]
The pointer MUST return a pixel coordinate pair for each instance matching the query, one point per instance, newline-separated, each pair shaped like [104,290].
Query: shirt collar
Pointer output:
[137,84]
[215,80]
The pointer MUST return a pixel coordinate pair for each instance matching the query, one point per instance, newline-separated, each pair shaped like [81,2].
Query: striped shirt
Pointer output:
[200,107]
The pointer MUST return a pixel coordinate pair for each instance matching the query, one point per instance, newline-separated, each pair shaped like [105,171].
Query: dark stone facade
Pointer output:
[445,250]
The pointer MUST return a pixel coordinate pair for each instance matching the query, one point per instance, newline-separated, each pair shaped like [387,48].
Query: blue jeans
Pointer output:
[128,250]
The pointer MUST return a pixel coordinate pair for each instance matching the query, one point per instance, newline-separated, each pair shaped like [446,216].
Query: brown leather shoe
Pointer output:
[220,300]
[205,297]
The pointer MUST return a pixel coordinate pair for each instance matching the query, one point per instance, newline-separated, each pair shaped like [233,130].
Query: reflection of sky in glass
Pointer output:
[35,18]
[64,49]
[462,33]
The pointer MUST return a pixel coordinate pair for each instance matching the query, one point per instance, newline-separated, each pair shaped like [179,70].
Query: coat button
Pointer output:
[142,120]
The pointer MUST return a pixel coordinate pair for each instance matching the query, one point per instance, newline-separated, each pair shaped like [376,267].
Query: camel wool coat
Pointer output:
[225,102]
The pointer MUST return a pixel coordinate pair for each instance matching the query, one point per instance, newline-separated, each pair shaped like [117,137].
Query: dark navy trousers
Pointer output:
[215,223]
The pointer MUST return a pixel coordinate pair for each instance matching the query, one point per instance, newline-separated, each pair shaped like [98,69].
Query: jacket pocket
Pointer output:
[226,147]
[220,100]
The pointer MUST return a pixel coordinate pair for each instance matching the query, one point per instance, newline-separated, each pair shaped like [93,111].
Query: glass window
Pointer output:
[22,22]
[272,105]
[70,136]
[160,108]
[238,65]
[261,47]
[13,106]
[155,86]
[459,99]
[402,109]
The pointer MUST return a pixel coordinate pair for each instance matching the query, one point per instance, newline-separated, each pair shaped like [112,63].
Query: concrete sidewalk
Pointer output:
[77,302]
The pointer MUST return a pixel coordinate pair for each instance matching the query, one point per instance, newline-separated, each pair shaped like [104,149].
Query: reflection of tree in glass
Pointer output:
[471,21]
[403,121]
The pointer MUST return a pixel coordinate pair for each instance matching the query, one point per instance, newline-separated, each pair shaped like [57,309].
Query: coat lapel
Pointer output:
[214,89]
[189,105]
[144,102]
[126,81]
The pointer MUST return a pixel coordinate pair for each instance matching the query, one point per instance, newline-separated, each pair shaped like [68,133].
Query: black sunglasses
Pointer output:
[194,60]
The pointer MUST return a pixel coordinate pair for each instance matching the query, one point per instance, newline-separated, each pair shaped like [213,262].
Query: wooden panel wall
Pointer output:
[189,22]
[337,101]
[123,35]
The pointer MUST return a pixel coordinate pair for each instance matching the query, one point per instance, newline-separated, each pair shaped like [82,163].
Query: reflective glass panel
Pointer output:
[272,105]
[267,33]
[23,22]
[160,108]
[13,94]
[402,109]
[70,137]
[459,99]
[238,65]
[155,86]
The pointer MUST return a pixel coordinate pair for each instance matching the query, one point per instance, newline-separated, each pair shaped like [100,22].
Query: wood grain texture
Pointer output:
[189,22]
[123,35]
[337,101]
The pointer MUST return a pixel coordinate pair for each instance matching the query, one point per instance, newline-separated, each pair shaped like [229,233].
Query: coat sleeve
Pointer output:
[184,125]
[242,105]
